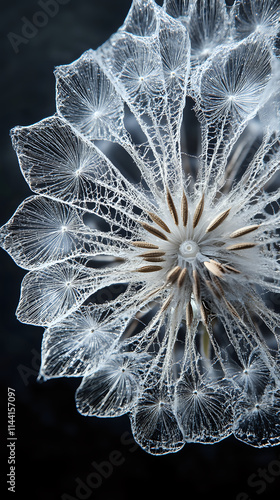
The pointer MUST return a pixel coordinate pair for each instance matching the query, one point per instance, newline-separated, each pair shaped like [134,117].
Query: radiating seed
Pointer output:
[143,244]
[184,210]
[159,222]
[173,274]
[172,207]
[196,286]
[166,303]
[215,267]
[218,285]
[148,269]
[244,230]
[157,253]
[232,309]
[241,246]
[198,212]
[189,314]
[181,277]
[231,269]
[217,221]
[204,315]
[154,231]
[213,289]
[154,259]
[154,292]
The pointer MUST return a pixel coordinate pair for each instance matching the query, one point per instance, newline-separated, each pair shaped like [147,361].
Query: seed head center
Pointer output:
[188,250]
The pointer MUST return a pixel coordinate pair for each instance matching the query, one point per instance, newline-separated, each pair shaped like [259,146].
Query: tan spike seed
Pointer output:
[198,212]
[218,285]
[213,289]
[181,277]
[244,230]
[148,269]
[154,231]
[143,244]
[241,246]
[184,209]
[157,253]
[189,314]
[154,292]
[159,222]
[232,309]
[215,267]
[154,259]
[196,286]
[231,269]
[217,221]
[166,304]
[204,315]
[173,274]
[172,207]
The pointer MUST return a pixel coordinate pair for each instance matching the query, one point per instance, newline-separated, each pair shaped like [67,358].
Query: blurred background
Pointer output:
[59,453]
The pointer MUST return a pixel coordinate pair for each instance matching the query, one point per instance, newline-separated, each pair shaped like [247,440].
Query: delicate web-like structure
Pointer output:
[156,276]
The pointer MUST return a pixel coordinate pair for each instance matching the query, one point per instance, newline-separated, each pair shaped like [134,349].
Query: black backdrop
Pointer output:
[58,451]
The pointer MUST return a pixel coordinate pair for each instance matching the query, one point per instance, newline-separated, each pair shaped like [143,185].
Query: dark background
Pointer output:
[55,445]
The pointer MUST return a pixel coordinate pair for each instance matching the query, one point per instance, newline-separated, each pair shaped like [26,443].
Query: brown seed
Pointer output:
[217,221]
[244,230]
[241,246]
[218,285]
[231,269]
[143,244]
[204,315]
[189,314]
[232,309]
[173,274]
[184,210]
[196,286]
[154,231]
[181,277]
[159,222]
[215,267]
[213,289]
[157,253]
[154,292]
[172,207]
[154,259]
[166,303]
[198,212]
[148,269]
